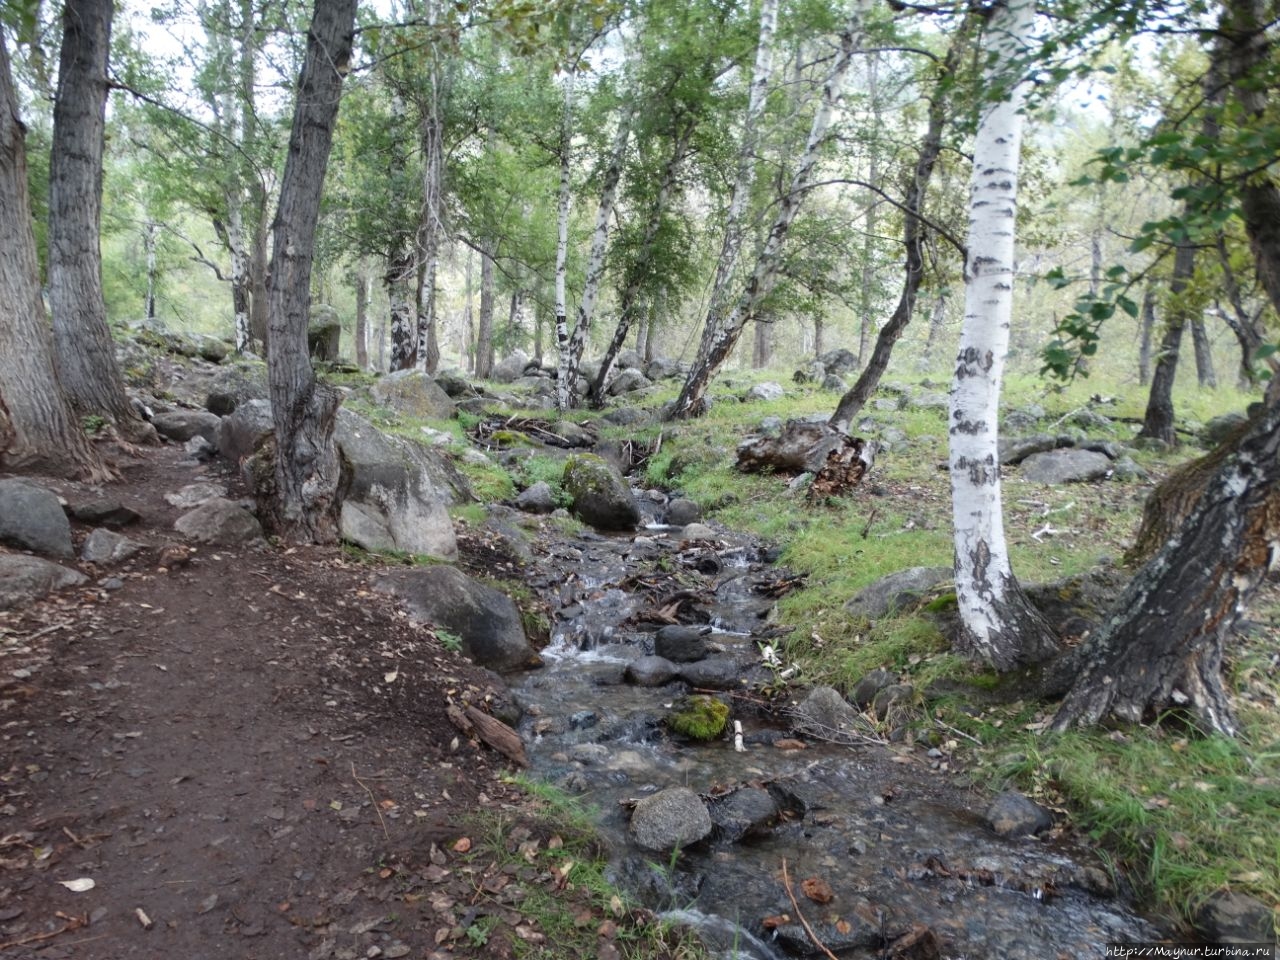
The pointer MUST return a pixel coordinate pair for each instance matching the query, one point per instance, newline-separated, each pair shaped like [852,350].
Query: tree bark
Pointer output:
[564,387]
[149,243]
[1204,354]
[362,317]
[484,324]
[1158,422]
[404,328]
[38,428]
[1144,342]
[304,504]
[998,622]
[83,349]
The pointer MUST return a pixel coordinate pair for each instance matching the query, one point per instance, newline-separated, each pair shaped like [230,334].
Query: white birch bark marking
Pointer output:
[564,388]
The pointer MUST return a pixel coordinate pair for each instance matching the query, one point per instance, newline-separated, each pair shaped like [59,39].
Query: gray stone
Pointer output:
[628,381]
[486,620]
[834,383]
[865,690]
[572,434]
[413,394]
[628,358]
[366,527]
[681,512]
[1016,449]
[651,672]
[199,449]
[894,695]
[510,369]
[106,513]
[627,416]
[802,445]
[235,385]
[24,579]
[537,498]
[1220,428]
[662,368]
[1125,468]
[826,715]
[1013,815]
[1228,916]
[1090,420]
[747,812]
[713,673]
[182,425]
[244,428]
[1070,465]
[898,590]
[455,385]
[670,819]
[599,495]
[1109,448]
[697,531]
[104,547]
[681,644]
[768,390]
[219,521]
[213,349]
[839,362]
[590,754]
[324,333]
[1023,419]
[31,518]
[194,494]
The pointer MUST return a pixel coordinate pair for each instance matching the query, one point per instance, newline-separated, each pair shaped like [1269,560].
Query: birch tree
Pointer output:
[564,387]
[998,622]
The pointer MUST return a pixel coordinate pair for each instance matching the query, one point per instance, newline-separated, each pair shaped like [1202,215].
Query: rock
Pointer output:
[794,939]
[1090,420]
[182,425]
[801,446]
[1221,428]
[766,391]
[826,715]
[104,547]
[1065,466]
[1013,815]
[681,512]
[194,494]
[244,428]
[713,673]
[865,690]
[324,333]
[235,385]
[199,449]
[839,362]
[1023,419]
[670,819]
[1016,449]
[599,495]
[1125,468]
[366,527]
[628,358]
[1077,604]
[834,382]
[681,644]
[651,672]
[697,531]
[896,591]
[413,394]
[628,381]
[455,385]
[1232,917]
[485,620]
[31,518]
[627,416]
[510,369]
[106,513]
[894,695]
[23,579]
[930,401]
[747,812]
[662,368]
[219,521]
[537,498]
[572,434]
[212,349]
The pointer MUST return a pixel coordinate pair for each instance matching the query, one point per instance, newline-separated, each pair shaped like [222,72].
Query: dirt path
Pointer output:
[246,756]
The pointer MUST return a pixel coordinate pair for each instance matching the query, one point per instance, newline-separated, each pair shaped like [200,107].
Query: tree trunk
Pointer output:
[1204,354]
[1158,423]
[937,320]
[305,501]
[38,429]
[484,327]
[1144,343]
[431,227]
[914,235]
[998,622]
[149,243]
[720,336]
[83,349]
[1245,324]
[362,318]
[564,387]
[761,348]
[867,300]
[400,296]
[233,238]
[468,315]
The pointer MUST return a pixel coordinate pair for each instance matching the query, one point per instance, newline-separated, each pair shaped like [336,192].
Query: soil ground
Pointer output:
[249,756]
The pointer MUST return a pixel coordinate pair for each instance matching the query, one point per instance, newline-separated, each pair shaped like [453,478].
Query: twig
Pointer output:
[871,518]
[786,882]
[959,733]
[49,629]
[73,923]
[372,800]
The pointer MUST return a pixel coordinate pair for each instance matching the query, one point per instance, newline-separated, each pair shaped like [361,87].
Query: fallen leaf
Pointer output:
[777,920]
[608,930]
[390,677]
[817,890]
[82,885]
[462,845]
[844,927]
[615,905]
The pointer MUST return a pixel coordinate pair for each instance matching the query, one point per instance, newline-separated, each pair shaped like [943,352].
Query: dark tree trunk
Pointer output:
[362,318]
[38,429]
[937,320]
[1144,344]
[1165,648]
[1158,424]
[468,317]
[761,348]
[484,327]
[1204,355]
[305,501]
[83,348]
[404,327]
[1245,324]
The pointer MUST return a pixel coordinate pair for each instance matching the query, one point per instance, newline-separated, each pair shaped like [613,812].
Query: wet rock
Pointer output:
[681,644]
[697,531]
[766,391]
[1069,465]
[896,591]
[23,579]
[583,719]
[182,425]
[31,518]
[106,513]
[713,673]
[681,512]
[105,547]
[747,812]
[826,715]
[670,819]
[589,754]
[219,521]
[599,495]
[537,498]
[795,940]
[651,671]
[1013,815]
[656,886]
[865,690]
[486,620]
[1232,917]
[413,394]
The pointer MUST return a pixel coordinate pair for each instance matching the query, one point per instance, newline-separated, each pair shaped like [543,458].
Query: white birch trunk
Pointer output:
[998,622]
[564,388]
[240,280]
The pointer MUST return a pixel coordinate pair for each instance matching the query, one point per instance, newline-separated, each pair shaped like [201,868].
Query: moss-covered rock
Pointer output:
[699,717]
[598,493]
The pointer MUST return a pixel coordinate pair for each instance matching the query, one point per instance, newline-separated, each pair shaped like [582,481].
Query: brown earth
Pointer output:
[248,754]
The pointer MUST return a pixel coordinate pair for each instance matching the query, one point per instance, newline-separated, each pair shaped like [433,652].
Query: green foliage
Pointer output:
[699,717]
[450,641]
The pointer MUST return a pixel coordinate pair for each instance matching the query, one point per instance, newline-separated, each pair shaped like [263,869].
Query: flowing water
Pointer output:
[908,859]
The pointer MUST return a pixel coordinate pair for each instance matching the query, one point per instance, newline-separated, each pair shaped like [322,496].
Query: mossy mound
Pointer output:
[699,717]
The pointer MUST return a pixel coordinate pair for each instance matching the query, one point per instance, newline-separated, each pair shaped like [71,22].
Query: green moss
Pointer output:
[699,717]
[944,604]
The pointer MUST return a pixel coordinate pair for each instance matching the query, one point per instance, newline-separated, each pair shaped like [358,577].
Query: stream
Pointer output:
[898,857]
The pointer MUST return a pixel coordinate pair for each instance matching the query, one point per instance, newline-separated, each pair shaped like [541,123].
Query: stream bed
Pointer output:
[883,855]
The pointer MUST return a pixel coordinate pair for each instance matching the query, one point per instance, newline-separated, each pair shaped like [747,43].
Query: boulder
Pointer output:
[670,819]
[651,672]
[194,494]
[599,495]
[662,368]
[681,644]
[324,333]
[104,547]
[1221,428]
[697,531]
[627,416]
[896,591]
[1013,815]
[826,715]
[681,512]
[537,498]
[1070,465]
[840,362]
[31,518]
[511,368]
[106,513]
[1229,916]
[766,391]
[628,380]
[713,673]
[413,394]
[234,385]
[834,383]
[1016,449]
[628,358]
[219,521]
[455,385]
[23,579]
[865,690]
[213,349]
[182,425]
[485,620]
[246,426]
[747,812]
